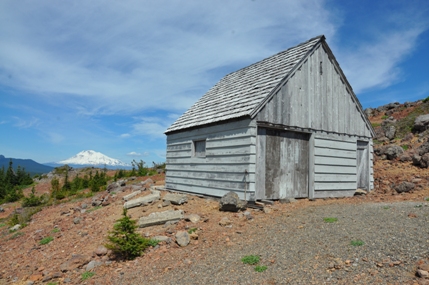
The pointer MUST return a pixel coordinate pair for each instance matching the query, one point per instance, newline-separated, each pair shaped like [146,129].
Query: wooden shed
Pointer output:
[288,126]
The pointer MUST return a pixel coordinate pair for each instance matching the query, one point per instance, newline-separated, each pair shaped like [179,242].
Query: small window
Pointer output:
[200,148]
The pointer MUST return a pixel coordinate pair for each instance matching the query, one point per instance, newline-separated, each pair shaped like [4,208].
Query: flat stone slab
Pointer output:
[159,218]
[132,195]
[176,199]
[154,196]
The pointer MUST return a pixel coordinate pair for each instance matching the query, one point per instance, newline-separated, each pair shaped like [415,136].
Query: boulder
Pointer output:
[112,187]
[393,151]
[404,187]
[132,195]
[421,123]
[15,228]
[368,112]
[159,218]
[154,196]
[194,218]
[390,132]
[176,199]
[423,149]
[1,210]
[93,264]
[424,161]
[165,239]
[182,238]
[101,250]
[76,261]
[231,202]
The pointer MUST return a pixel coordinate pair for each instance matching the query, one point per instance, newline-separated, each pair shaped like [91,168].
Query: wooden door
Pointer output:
[286,164]
[362,165]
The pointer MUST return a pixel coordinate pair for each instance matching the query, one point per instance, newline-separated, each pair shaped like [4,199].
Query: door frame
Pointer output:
[261,158]
[363,145]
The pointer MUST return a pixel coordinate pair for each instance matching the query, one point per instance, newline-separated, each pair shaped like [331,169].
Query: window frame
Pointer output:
[195,146]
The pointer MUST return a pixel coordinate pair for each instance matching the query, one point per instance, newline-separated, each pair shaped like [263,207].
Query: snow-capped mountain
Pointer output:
[90,157]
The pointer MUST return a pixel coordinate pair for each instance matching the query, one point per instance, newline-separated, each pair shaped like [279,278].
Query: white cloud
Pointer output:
[26,123]
[375,64]
[129,55]
[125,135]
[133,153]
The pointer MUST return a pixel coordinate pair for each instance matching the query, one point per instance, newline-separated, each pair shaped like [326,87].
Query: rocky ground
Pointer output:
[293,240]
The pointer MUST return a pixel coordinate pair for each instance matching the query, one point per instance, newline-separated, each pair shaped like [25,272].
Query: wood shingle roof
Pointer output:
[241,92]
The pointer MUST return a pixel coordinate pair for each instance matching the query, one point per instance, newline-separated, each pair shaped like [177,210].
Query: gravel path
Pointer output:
[298,247]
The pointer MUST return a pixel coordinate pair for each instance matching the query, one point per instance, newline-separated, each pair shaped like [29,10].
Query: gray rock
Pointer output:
[182,238]
[112,187]
[84,205]
[1,210]
[393,151]
[166,203]
[154,196]
[159,218]
[77,220]
[93,264]
[424,161]
[96,203]
[165,239]
[147,181]
[101,250]
[224,222]
[231,202]
[76,261]
[405,157]
[423,149]
[15,227]
[194,218]
[368,112]
[421,123]
[404,187]
[132,195]
[176,199]
[122,182]
[287,200]
[248,215]
[390,132]
[360,192]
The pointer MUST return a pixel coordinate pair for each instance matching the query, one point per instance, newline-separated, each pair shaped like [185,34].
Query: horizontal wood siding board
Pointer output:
[216,192]
[334,161]
[335,178]
[217,176]
[213,167]
[207,183]
[329,152]
[179,146]
[334,186]
[171,154]
[333,194]
[335,144]
[325,169]
[224,159]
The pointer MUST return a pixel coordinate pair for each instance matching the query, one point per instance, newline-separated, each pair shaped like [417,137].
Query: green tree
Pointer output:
[124,241]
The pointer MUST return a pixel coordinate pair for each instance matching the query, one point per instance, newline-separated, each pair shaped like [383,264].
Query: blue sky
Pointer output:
[111,76]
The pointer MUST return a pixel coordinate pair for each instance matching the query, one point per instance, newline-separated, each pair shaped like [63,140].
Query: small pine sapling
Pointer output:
[124,241]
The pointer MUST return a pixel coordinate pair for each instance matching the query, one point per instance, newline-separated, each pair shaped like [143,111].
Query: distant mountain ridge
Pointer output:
[93,158]
[28,164]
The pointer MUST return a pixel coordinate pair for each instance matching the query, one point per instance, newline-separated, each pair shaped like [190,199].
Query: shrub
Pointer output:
[405,147]
[32,200]
[87,275]
[357,242]
[260,268]
[330,220]
[124,241]
[192,230]
[250,259]
[46,240]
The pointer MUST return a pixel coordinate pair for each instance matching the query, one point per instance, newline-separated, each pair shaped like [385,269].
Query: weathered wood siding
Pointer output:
[282,164]
[335,165]
[230,151]
[316,98]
